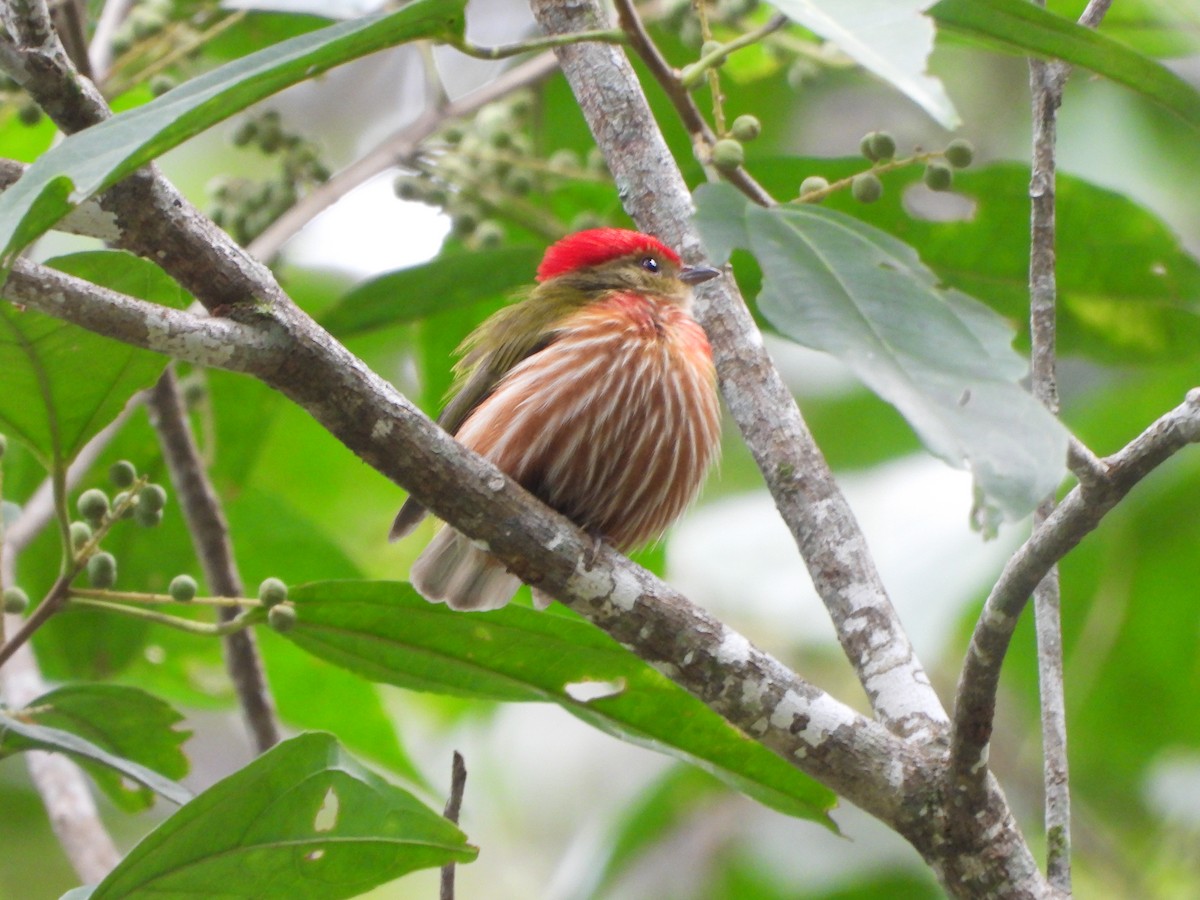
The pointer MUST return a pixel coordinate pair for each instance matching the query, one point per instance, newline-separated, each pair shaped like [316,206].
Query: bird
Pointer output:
[596,392]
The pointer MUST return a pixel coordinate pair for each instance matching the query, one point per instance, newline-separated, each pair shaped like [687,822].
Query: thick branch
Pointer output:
[1078,514]
[809,500]
[210,536]
[854,756]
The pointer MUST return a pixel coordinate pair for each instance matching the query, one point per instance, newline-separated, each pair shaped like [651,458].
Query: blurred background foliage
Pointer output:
[561,810]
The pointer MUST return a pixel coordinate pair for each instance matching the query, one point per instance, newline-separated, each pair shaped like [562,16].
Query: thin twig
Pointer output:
[458,782]
[548,42]
[210,537]
[685,107]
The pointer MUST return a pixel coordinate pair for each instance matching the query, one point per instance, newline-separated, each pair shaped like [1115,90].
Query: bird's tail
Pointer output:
[454,570]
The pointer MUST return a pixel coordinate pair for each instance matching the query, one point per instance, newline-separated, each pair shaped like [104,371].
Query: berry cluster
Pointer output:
[880,148]
[482,169]
[246,208]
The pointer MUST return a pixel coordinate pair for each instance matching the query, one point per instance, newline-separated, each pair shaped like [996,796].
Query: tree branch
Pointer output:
[795,471]
[210,537]
[1078,514]
[458,782]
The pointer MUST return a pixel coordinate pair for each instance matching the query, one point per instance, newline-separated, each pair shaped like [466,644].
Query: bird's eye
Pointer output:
[650,264]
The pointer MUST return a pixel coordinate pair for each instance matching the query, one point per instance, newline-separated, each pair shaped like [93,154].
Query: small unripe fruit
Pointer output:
[160,84]
[488,235]
[102,570]
[938,176]
[596,161]
[710,47]
[122,473]
[16,601]
[245,133]
[152,496]
[81,533]
[182,588]
[865,146]
[29,113]
[728,154]
[272,592]
[959,153]
[147,517]
[746,128]
[119,502]
[866,188]
[812,184]
[282,618]
[519,182]
[883,145]
[563,162]
[93,505]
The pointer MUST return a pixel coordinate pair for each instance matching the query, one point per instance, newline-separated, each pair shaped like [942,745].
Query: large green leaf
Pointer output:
[1139,305]
[1027,28]
[125,721]
[94,159]
[834,283]
[18,734]
[303,821]
[63,383]
[385,631]
[448,282]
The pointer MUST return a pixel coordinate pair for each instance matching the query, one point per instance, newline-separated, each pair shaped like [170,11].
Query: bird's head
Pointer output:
[601,260]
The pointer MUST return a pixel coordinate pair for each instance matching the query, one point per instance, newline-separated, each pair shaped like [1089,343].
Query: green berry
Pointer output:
[866,146]
[812,184]
[866,188]
[883,145]
[728,154]
[563,162]
[959,153]
[710,47]
[454,133]
[120,502]
[272,592]
[93,505]
[16,601]
[147,517]
[488,235]
[152,496]
[102,570]
[122,473]
[282,618]
[160,84]
[81,533]
[596,161]
[182,588]
[938,176]
[746,128]
[245,133]
[519,182]
[29,113]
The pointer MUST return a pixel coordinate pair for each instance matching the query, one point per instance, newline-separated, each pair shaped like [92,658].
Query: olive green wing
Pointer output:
[488,353]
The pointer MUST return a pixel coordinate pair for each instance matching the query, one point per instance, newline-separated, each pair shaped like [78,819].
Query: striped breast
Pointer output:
[614,424]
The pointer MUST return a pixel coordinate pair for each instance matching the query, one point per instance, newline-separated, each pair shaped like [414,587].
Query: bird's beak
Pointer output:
[697,274]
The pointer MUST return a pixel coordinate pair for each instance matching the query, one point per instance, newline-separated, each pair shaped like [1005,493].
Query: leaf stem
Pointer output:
[208,629]
[691,74]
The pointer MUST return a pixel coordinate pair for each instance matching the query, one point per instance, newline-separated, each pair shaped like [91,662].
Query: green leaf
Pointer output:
[125,721]
[62,383]
[1139,305]
[1024,27]
[449,282]
[385,631]
[894,45]
[93,159]
[943,359]
[303,821]
[18,735]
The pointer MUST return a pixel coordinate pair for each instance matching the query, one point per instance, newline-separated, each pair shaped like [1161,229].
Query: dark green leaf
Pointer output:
[125,721]
[17,735]
[93,159]
[1027,28]
[63,383]
[303,821]
[834,283]
[448,282]
[385,631]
